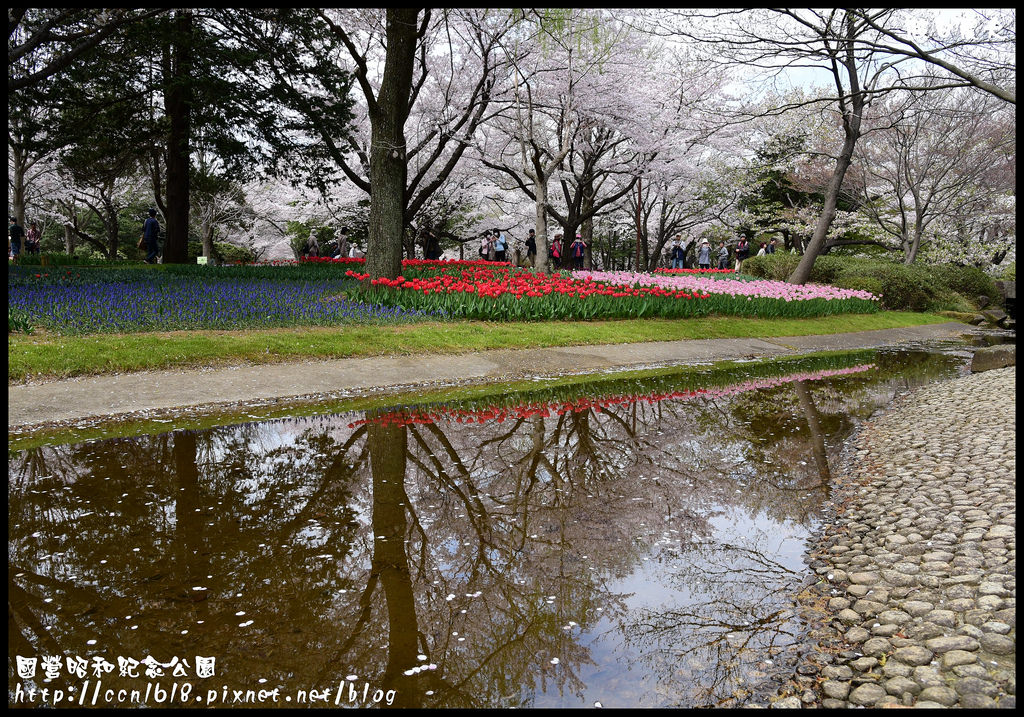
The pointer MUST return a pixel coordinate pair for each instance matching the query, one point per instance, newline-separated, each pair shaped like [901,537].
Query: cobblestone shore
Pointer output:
[917,577]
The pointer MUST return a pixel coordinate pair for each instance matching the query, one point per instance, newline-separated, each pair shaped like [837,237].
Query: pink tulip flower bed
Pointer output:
[757,289]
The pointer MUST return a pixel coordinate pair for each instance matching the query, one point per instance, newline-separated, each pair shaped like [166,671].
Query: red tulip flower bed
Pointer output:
[497,293]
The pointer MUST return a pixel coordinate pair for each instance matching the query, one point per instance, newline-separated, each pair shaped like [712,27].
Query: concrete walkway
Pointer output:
[112,396]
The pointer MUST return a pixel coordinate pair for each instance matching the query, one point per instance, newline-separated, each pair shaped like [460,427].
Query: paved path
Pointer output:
[918,566]
[111,396]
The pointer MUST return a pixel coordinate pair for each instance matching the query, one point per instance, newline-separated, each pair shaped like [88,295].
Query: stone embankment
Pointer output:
[917,576]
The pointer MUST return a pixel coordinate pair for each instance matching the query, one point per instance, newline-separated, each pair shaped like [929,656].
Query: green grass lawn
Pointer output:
[42,356]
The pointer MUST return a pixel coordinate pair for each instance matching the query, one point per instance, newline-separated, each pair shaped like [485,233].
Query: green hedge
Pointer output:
[917,287]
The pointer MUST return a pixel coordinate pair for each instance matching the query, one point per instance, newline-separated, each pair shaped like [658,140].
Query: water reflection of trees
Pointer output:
[379,550]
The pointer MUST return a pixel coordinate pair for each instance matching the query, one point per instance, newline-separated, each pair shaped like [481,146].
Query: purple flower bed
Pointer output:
[177,303]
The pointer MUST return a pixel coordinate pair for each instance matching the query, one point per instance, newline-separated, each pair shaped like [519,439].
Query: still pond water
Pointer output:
[628,542]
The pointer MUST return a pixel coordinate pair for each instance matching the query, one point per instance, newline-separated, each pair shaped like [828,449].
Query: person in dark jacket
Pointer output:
[15,237]
[531,247]
[742,252]
[151,237]
[678,253]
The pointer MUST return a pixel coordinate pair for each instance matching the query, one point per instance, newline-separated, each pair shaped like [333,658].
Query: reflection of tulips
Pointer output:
[404,417]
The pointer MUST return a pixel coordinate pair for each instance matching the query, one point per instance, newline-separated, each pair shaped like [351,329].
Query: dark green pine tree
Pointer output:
[167,88]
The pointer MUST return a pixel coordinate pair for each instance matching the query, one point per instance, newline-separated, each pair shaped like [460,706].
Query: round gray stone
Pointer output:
[895,668]
[898,685]
[958,657]
[863,664]
[943,618]
[856,634]
[917,608]
[836,672]
[835,689]
[975,701]
[942,695]
[876,646]
[848,616]
[975,685]
[838,603]
[999,628]
[895,617]
[998,644]
[869,694]
[914,655]
[951,642]
[865,578]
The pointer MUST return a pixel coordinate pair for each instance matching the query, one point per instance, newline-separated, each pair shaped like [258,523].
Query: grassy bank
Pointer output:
[41,356]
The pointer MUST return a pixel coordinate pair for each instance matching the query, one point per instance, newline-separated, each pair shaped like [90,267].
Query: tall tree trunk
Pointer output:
[828,212]
[851,130]
[19,164]
[178,105]
[587,228]
[387,446]
[910,255]
[208,241]
[540,189]
[387,146]
[69,239]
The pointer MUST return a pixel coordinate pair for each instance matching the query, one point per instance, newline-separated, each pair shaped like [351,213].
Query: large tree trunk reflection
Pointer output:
[817,435]
[390,564]
[192,559]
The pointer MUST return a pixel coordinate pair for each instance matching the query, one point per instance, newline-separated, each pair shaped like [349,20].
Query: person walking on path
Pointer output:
[704,255]
[312,245]
[342,247]
[431,246]
[32,238]
[555,251]
[579,249]
[531,247]
[678,253]
[151,237]
[15,238]
[723,256]
[742,252]
[500,246]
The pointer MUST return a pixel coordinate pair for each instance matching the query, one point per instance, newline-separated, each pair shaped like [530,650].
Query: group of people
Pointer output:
[494,247]
[495,244]
[704,253]
[336,248]
[18,239]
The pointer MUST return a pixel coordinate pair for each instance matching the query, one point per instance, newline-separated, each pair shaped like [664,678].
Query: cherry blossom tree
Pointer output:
[589,108]
[935,159]
[849,47]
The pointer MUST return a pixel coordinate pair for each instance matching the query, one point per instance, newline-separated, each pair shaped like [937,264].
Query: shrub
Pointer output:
[827,269]
[231,254]
[917,287]
[904,289]
[777,267]
[968,281]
